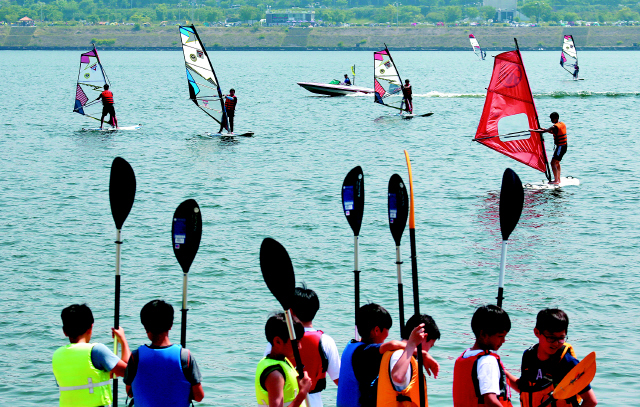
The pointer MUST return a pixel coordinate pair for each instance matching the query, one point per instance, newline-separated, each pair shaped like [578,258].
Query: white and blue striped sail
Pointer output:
[204,88]
[476,47]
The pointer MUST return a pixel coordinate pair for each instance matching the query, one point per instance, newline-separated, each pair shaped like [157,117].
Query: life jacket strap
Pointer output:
[91,385]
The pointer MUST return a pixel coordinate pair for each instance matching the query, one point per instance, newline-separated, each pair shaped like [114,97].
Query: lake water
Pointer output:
[576,248]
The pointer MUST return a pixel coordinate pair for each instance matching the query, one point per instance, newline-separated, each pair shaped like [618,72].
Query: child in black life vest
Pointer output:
[545,364]
[479,378]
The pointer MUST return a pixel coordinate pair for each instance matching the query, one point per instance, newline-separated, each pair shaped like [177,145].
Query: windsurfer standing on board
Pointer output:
[107,107]
[407,95]
[230,102]
[559,131]
[575,74]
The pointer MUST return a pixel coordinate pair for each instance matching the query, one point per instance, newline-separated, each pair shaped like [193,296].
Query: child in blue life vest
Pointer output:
[277,382]
[83,369]
[545,364]
[398,379]
[318,351]
[162,374]
[360,361]
[479,378]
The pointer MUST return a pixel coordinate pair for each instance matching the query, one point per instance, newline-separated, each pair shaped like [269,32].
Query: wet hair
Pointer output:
[370,316]
[157,316]
[554,116]
[76,320]
[490,319]
[552,320]
[106,86]
[430,327]
[305,303]
[276,326]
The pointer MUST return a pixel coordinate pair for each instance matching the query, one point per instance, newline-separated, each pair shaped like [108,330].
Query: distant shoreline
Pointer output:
[419,38]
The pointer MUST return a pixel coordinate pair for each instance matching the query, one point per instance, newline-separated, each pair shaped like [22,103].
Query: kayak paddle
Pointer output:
[186,231]
[353,206]
[398,205]
[511,201]
[414,276]
[575,381]
[277,272]
[122,192]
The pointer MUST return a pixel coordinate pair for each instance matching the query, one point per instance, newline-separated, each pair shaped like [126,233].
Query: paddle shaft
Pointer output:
[400,289]
[503,265]
[183,325]
[294,347]
[356,273]
[116,313]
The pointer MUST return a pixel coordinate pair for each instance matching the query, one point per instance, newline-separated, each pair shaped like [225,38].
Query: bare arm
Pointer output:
[391,345]
[589,399]
[119,369]
[402,365]
[197,392]
[430,364]
[491,400]
[275,388]
[513,381]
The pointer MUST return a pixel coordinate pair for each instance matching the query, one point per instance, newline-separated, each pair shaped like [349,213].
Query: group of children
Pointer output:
[371,371]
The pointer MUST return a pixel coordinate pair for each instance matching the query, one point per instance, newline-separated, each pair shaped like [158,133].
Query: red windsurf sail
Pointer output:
[509,94]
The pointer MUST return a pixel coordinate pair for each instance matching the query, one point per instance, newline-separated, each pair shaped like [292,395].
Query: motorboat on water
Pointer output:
[333,89]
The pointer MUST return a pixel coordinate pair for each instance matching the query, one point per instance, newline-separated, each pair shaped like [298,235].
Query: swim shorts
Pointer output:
[559,152]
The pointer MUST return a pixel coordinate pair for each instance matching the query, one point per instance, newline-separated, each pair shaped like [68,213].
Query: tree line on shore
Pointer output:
[327,11]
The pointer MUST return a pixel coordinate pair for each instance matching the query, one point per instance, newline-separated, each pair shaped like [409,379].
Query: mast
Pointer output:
[398,73]
[544,150]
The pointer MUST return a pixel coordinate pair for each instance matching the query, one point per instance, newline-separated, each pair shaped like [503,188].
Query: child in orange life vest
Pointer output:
[398,377]
[479,378]
[84,364]
[277,382]
[162,374]
[545,364]
[360,362]
[559,131]
[318,350]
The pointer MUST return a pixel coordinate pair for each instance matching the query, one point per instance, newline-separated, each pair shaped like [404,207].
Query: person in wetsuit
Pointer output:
[407,95]
[107,107]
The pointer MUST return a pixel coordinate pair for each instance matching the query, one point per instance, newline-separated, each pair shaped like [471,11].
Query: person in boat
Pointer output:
[545,364]
[479,378]
[162,374]
[347,81]
[407,96]
[83,365]
[559,131]
[230,102]
[277,382]
[318,351]
[361,360]
[398,377]
[575,73]
[107,107]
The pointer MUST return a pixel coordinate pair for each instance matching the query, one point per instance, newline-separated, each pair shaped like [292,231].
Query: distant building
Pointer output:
[290,17]
[505,9]
[26,22]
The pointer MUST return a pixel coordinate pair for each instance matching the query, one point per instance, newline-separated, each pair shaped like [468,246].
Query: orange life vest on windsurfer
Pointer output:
[230,102]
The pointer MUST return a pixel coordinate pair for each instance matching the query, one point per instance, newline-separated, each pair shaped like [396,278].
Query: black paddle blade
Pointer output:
[277,271]
[511,201]
[186,231]
[398,205]
[353,198]
[122,190]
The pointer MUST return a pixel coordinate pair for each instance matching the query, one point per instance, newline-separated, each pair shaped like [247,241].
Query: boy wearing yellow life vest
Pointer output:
[545,364]
[479,378]
[277,383]
[559,131]
[162,374]
[83,369]
[360,362]
[398,379]
[318,350]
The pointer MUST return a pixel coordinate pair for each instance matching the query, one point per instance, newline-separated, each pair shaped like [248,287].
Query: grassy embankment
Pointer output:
[280,38]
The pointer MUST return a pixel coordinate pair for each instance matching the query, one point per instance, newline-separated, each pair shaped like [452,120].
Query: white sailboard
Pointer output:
[564,181]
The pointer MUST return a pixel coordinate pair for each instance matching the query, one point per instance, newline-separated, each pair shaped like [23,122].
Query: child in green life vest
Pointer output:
[83,369]
[545,364]
[277,382]
[162,374]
